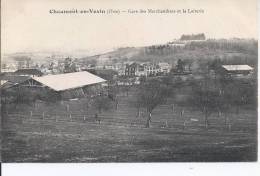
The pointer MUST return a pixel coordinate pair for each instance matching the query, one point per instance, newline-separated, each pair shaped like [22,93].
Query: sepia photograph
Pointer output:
[140,81]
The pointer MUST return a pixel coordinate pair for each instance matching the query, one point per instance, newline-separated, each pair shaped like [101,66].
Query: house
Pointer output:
[142,69]
[177,44]
[152,69]
[131,69]
[164,67]
[147,69]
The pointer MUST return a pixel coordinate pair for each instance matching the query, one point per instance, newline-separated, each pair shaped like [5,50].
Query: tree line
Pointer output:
[234,45]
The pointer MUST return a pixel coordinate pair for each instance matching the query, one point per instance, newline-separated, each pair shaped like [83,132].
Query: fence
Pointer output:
[127,122]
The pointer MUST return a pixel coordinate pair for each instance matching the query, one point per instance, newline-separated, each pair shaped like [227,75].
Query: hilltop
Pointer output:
[232,51]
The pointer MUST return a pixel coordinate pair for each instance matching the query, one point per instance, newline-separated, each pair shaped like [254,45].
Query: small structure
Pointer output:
[8,81]
[164,67]
[131,69]
[67,85]
[235,70]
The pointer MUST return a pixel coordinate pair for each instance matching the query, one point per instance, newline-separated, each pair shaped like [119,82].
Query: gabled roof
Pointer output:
[7,85]
[133,64]
[2,82]
[12,80]
[66,81]
[237,67]
[15,79]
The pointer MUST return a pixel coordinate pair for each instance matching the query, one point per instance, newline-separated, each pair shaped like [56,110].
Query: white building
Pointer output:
[164,67]
[153,69]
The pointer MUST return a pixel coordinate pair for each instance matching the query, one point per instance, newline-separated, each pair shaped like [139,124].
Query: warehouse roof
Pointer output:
[237,67]
[66,81]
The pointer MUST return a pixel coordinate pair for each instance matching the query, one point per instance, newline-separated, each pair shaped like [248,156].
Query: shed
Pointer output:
[237,69]
[66,86]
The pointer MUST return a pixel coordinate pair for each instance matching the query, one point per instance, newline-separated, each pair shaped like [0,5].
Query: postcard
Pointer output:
[166,81]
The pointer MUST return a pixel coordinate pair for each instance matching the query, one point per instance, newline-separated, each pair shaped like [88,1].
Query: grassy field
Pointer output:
[73,135]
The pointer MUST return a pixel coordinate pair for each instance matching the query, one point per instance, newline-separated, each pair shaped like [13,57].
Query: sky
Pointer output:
[27,25]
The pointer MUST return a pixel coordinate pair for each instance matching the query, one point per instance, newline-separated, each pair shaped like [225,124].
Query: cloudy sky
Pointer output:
[27,25]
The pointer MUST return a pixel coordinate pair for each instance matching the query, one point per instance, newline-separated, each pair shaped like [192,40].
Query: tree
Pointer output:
[69,65]
[205,99]
[113,90]
[142,79]
[137,103]
[18,95]
[28,63]
[235,93]
[23,61]
[106,74]
[224,102]
[101,103]
[51,66]
[92,62]
[180,66]
[152,94]
[188,62]
[4,66]
[200,36]
[241,94]
[127,84]
[215,64]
